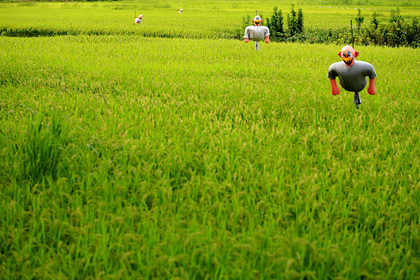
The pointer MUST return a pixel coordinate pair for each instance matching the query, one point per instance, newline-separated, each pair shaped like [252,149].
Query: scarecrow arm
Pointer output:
[334,88]
[246,40]
[372,88]
[267,40]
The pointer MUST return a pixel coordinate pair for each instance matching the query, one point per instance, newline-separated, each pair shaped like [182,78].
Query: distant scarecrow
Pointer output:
[352,74]
[138,20]
[257,32]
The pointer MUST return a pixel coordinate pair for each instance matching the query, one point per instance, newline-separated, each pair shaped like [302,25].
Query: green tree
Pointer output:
[395,16]
[375,21]
[292,22]
[300,21]
[276,23]
[359,20]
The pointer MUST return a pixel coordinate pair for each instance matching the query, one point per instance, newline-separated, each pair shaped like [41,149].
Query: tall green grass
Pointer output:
[200,19]
[126,157]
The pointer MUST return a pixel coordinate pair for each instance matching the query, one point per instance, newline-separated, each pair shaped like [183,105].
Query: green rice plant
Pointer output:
[202,158]
[43,147]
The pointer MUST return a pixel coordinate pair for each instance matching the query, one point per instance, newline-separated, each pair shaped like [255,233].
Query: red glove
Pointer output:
[334,88]
[372,88]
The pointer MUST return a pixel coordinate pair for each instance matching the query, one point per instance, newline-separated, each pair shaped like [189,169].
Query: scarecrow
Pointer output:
[138,20]
[352,74]
[257,32]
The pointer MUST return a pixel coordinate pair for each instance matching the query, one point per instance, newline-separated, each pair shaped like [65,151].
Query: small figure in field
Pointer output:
[180,11]
[257,32]
[352,74]
[138,20]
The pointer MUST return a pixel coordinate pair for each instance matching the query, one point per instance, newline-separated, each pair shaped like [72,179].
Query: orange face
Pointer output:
[348,54]
[347,57]
[257,20]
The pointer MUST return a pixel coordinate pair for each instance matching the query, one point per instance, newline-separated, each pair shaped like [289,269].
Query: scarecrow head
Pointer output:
[348,54]
[257,20]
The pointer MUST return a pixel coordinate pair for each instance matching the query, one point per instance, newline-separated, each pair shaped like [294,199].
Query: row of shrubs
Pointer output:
[394,32]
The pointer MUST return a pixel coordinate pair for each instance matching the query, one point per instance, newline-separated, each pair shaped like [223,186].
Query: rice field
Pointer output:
[138,157]
[200,20]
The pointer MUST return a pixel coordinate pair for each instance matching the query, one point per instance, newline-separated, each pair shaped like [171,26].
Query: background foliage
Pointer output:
[394,31]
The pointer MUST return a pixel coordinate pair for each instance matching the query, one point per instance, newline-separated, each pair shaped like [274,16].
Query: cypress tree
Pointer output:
[300,21]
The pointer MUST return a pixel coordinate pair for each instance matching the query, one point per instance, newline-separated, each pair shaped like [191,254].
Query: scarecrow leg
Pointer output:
[257,47]
[356,99]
